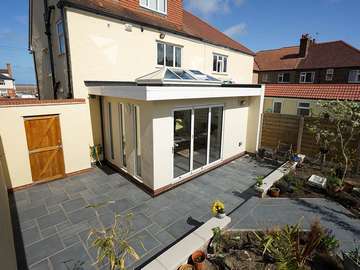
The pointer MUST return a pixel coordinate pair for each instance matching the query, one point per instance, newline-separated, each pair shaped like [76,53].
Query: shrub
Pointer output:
[354,254]
[333,182]
[285,246]
[329,243]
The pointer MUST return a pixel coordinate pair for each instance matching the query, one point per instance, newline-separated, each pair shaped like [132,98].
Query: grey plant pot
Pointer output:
[349,264]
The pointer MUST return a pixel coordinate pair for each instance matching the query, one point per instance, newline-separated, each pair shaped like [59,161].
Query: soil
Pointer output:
[243,251]
[299,189]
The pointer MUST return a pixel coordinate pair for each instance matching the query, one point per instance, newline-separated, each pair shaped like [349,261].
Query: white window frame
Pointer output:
[303,107]
[277,101]
[174,54]
[281,76]
[329,74]
[221,61]
[146,4]
[60,37]
[303,75]
[357,76]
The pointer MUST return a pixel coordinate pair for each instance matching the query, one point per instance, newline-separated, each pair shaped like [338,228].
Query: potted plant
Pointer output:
[274,192]
[334,183]
[186,267]
[95,153]
[198,258]
[218,209]
[352,259]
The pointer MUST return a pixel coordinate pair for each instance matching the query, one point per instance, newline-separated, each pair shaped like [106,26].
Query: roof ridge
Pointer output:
[276,49]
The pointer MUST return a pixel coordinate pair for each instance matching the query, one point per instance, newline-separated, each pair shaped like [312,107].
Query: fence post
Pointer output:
[300,134]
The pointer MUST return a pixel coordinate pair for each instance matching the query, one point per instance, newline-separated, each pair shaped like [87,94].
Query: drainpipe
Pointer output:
[67,51]
[47,18]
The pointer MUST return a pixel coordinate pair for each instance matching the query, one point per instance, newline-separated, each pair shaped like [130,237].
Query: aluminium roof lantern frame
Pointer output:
[167,75]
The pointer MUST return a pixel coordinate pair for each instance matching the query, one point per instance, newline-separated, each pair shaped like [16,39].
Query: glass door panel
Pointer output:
[182,142]
[216,133]
[201,127]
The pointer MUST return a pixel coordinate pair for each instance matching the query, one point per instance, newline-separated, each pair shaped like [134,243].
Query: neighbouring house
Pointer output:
[296,77]
[7,83]
[26,90]
[169,96]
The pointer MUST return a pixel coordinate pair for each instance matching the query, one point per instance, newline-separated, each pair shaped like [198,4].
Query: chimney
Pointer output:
[305,42]
[9,69]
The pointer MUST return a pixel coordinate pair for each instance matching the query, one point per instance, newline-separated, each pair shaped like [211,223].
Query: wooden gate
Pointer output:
[43,136]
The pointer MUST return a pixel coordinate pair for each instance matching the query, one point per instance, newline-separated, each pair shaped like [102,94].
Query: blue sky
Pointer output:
[258,24]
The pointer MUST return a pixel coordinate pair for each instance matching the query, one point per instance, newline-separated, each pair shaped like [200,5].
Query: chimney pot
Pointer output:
[305,42]
[9,69]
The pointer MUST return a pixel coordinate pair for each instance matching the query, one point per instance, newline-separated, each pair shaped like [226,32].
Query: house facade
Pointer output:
[7,83]
[326,65]
[169,96]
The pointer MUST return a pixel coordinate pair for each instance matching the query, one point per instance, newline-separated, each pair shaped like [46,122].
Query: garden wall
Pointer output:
[75,131]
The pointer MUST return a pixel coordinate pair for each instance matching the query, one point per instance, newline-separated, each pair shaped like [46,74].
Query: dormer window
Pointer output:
[155,5]
[354,76]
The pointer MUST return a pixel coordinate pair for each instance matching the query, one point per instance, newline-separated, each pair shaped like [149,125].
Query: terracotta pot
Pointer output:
[348,187]
[198,258]
[186,267]
[220,215]
[274,192]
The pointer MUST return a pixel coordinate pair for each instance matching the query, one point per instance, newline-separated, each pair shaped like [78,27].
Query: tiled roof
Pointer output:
[335,54]
[192,26]
[314,91]
[5,77]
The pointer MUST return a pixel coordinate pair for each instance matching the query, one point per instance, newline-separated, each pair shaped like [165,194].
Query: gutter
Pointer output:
[67,52]
[63,3]
[47,18]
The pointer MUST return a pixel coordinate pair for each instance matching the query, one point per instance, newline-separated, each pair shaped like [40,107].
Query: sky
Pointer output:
[257,24]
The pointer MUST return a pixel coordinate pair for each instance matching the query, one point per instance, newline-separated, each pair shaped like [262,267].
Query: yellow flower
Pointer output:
[217,207]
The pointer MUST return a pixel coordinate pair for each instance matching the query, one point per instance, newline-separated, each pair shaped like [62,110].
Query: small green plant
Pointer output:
[112,243]
[259,180]
[96,152]
[216,239]
[329,243]
[354,254]
[333,182]
[284,245]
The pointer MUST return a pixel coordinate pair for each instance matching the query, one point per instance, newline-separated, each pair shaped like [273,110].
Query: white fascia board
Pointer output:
[153,93]
[188,92]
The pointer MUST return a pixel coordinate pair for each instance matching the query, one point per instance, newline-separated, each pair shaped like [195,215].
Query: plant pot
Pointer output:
[220,215]
[275,192]
[198,258]
[348,187]
[349,264]
[186,267]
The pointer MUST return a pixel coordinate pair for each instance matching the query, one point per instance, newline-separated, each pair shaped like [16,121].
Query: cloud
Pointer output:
[207,7]
[236,30]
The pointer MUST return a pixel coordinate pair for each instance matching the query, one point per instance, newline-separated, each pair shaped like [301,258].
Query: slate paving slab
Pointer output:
[55,221]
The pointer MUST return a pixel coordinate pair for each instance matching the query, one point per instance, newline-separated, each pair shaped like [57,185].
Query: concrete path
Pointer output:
[259,213]
[52,221]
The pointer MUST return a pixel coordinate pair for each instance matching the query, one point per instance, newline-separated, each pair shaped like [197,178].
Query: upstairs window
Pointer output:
[303,109]
[168,55]
[266,77]
[61,37]
[2,82]
[354,76]
[220,63]
[307,77]
[284,77]
[329,74]
[155,5]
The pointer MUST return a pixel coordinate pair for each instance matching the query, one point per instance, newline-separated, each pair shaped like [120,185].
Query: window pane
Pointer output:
[216,133]
[201,118]
[170,75]
[277,107]
[162,5]
[215,63]
[60,28]
[218,68]
[143,2]
[122,134]
[303,104]
[177,57]
[137,140]
[309,77]
[182,74]
[153,4]
[304,112]
[169,55]
[286,77]
[160,54]
[225,64]
[62,44]
[111,131]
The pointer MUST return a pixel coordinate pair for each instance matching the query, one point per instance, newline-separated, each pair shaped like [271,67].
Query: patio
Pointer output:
[53,221]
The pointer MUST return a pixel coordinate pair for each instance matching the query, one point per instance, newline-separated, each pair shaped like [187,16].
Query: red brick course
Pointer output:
[36,102]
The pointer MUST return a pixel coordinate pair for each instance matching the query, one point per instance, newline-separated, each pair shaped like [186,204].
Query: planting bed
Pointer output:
[243,250]
[295,185]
